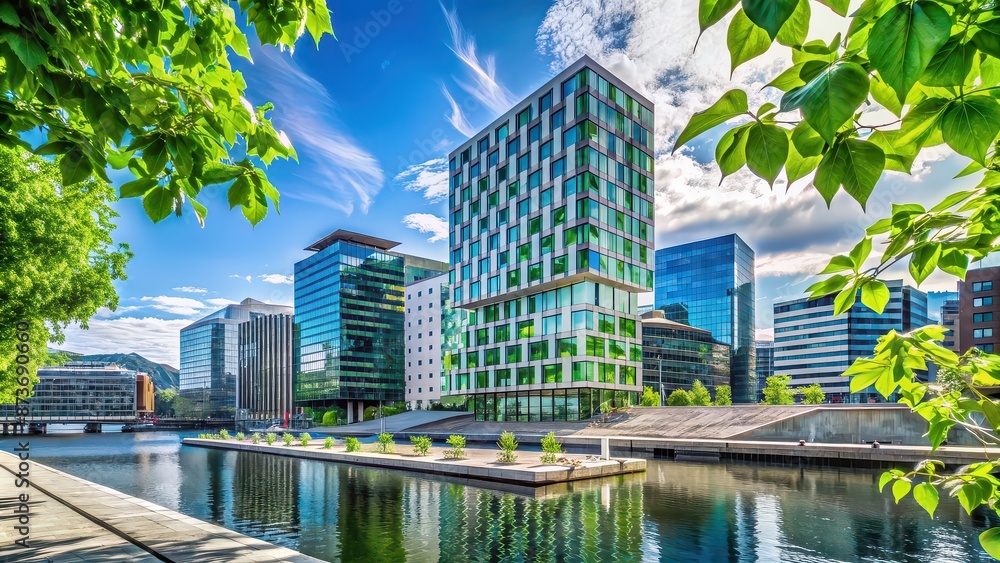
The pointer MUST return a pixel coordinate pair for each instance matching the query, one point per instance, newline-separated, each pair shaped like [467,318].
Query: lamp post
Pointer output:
[659,360]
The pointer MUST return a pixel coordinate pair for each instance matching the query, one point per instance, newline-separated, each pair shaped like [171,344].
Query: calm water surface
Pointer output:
[675,512]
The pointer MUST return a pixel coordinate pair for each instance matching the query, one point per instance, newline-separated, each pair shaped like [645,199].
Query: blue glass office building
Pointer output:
[709,284]
[348,348]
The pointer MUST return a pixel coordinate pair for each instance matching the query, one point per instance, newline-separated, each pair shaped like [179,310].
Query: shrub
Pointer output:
[287,438]
[353,445]
[255,438]
[649,398]
[304,438]
[679,398]
[550,448]
[507,444]
[385,443]
[328,443]
[421,444]
[457,444]
[240,436]
[723,396]
[271,437]
[224,434]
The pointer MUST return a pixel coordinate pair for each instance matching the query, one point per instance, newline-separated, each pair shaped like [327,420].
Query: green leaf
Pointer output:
[200,210]
[766,150]
[954,262]
[990,540]
[921,121]
[764,109]
[769,14]
[730,105]
[900,489]
[860,252]
[992,413]
[798,166]
[953,200]
[875,295]
[844,300]
[806,140]
[883,94]
[987,39]
[969,497]
[26,47]
[137,188]
[971,168]
[884,480]
[927,497]
[970,125]
[864,373]
[158,202]
[830,99]
[216,173]
[74,166]
[711,11]
[256,207]
[796,28]
[898,156]
[745,40]
[951,64]
[318,20]
[838,264]
[730,153]
[854,164]
[924,260]
[829,285]
[904,40]
[879,227]
[239,192]
[838,6]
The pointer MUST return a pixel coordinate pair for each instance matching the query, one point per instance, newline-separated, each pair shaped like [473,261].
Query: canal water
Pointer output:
[675,512]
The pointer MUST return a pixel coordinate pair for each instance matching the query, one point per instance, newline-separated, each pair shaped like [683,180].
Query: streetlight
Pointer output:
[659,359]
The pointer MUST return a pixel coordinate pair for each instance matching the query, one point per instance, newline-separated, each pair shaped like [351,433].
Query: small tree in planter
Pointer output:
[304,438]
[353,445]
[224,434]
[240,436]
[328,444]
[507,445]
[457,444]
[255,438]
[421,444]
[550,448]
[270,438]
[385,443]
[287,439]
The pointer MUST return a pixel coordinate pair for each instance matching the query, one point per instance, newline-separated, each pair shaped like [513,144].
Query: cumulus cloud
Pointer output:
[278,279]
[341,173]
[430,177]
[189,289]
[155,339]
[428,223]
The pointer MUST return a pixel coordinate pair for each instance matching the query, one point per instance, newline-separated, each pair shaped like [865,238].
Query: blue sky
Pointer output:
[373,115]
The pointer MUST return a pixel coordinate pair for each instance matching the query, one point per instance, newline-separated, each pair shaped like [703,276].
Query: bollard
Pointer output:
[605,448]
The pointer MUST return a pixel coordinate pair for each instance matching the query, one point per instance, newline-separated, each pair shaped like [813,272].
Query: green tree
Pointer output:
[951,380]
[935,65]
[777,391]
[679,398]
[57,260]
[723,396]
[700,397]
[330,418]
[148,86]
[164,403]
[813,394]
[649,398]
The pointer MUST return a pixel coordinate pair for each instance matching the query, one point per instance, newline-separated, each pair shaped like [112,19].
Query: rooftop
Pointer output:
[351,236]
[655,317]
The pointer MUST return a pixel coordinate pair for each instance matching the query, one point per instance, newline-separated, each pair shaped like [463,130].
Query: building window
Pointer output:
[534,134]
[484,145]
[524,117]
[545,102]
[982,333]
[988,348]
[545,151]
[982,286]
[501,132]
[982,301]
[558,118]
[982,317]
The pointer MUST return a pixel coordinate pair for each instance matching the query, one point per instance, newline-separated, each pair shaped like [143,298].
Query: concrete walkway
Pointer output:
[75,520]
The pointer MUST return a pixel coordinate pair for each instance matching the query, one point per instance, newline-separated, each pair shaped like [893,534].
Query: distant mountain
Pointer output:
[164,376]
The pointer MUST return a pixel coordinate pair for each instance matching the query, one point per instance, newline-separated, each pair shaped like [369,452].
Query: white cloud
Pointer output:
[175,305]
[340,173]
[457,116]
[428,223]
[430,177]
[219,302]
[155,339]
[238,276]
[189,289]
[278,279]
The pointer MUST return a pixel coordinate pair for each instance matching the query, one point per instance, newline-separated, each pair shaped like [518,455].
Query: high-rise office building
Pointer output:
[709,284]
[426,301]
[813,346]
[765,365]
[979,310]
[551,212]
[348,348]
[675,355]
[264,387]
[210,356]
[950,317]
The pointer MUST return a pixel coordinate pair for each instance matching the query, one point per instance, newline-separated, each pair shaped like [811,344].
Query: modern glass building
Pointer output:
[675,355]
[210,356]
[709,284]
[264,388]
[82,392]
[348,340]
[765,365]
[551,215]
[813,346]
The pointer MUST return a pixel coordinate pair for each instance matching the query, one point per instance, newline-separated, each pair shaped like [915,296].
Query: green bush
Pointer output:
[353,445]
[551,448]
[240,436]
[457,443]
[255,438]
[271,437]
[328,443]
[507,445]
[385,443]
[287,438]
[224,434]
[421,444]
[304,438]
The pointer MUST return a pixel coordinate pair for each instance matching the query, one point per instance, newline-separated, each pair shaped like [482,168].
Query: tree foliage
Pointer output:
[147,86]
[649,398]
[935,66]
[813,394]
[700,397]
[679,398]
[57,259]
[777,391]
[723,396]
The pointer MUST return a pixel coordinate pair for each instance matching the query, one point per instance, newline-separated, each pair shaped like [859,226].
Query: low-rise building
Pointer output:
[145,395]
[979,310]
[674,355]
[425,301]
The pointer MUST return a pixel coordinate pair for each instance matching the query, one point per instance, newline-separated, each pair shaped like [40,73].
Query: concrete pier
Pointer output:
[70,519]
[478,463]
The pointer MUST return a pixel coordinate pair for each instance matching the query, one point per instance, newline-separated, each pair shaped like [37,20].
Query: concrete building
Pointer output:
[425,301]
[765,365]
[349,343]
[950,319]
[813,346]
[264,386]
[210,356]
[676,355]
[145,395]
[978,323]
[710,284]
[551,214]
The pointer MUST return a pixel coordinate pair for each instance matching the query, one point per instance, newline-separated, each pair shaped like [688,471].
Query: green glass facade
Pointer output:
[551,215]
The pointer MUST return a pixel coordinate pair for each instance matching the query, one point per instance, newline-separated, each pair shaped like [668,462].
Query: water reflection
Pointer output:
[674,512]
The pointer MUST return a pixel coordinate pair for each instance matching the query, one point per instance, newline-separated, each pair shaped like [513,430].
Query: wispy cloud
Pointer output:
[189,289]
[278,279]
[457,117]
[341,174]
[238,276]
[429,177]
[175,305]
[220,302]
[428,223]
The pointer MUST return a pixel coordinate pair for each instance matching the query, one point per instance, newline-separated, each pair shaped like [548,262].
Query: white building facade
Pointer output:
[424,309]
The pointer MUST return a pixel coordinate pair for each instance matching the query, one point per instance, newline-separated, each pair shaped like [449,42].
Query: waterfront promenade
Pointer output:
[71,519]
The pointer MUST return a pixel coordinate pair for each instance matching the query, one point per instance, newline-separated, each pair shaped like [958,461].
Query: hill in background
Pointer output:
[164,376]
